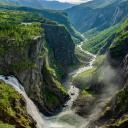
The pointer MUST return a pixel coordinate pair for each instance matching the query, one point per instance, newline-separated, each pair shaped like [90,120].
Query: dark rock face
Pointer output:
[41,84]
[61,43]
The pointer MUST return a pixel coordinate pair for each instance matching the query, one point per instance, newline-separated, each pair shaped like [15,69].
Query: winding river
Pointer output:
[66,118]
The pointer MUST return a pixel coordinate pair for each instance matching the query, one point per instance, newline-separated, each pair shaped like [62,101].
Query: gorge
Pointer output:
[65,117]
[51,77]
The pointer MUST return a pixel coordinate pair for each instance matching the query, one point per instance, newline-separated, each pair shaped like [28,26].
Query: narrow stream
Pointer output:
[66,118]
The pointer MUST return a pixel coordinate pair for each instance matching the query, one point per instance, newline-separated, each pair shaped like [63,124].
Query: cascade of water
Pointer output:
[42,121]
[31,108]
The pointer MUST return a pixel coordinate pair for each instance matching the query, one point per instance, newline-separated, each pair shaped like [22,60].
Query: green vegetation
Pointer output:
[123,100]
[18,37]
[11,111]
[19,32]
[99,60]
[82,56]
[63,89]
[86,93]
[58,16]
[121,37]
[95,43]
[50,97]
[117,48]
[3,125]
[91,33]
[3,72]
[120,124]
[82,79]
[87,73]
[108,108]
[52,65]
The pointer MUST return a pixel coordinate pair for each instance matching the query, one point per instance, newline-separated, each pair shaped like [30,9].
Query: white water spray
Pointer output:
[31,108]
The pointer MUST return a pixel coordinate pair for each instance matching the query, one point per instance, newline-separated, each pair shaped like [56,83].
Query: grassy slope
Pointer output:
[82,56]
[81,80]
[95,43]
[3,125]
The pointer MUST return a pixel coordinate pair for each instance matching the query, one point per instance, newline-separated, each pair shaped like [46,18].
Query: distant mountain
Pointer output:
[97,14]
[30,3]
[55,5]
[97,20]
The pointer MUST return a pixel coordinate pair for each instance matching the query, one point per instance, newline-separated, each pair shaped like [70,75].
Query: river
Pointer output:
[66,118]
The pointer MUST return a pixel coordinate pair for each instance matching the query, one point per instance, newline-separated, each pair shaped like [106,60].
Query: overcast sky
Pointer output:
[71,1]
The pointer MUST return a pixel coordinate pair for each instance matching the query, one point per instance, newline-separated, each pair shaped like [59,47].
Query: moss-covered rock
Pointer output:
[13,109]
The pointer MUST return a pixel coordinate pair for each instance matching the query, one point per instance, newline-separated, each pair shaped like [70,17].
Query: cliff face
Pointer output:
[61,43]
[36,66]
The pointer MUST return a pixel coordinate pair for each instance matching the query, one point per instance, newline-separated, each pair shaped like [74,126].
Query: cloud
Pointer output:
[72,1]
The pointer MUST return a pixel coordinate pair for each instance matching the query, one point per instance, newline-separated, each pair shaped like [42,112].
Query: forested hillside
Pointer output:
[58,16]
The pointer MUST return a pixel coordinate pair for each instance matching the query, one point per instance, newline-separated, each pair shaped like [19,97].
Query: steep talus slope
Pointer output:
[33,60]
[13,109]
[59,16]
[30,3]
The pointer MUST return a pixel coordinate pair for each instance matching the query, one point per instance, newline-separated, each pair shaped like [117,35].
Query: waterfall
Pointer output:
[42,121]
[31,108]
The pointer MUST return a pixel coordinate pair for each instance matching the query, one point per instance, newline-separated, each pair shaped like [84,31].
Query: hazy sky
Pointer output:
[72,1]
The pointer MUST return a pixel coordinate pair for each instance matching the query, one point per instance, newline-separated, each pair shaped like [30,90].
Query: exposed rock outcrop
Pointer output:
[61,43]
